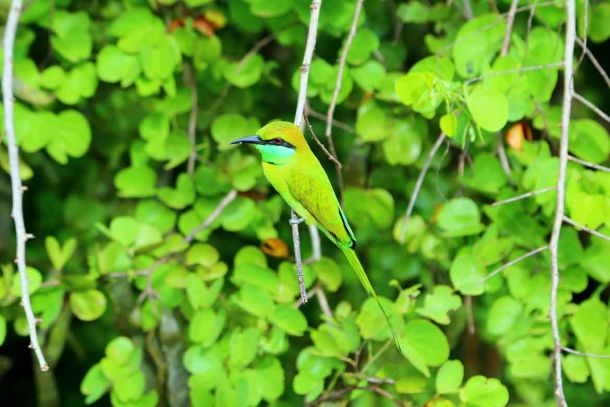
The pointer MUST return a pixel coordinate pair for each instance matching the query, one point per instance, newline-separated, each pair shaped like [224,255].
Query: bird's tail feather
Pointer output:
[353,260]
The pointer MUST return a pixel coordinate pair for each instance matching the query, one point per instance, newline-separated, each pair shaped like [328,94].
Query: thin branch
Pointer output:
[257,47]
[307,57]
[510,19]
[585,35]
[330,156]
[294,223]
[586,229]
[323,301]
[588,164]
[568,88]
[503,157]
[591,106]
[16,186]
[551,65]
[594,61]
[523,196]
[309,295]
[191,81]
[469,315]
[467,9]
[513,262]
[224,202]
[316,246]
[419,183]
[336,123]
[310,45]
[333,102]
[584,354]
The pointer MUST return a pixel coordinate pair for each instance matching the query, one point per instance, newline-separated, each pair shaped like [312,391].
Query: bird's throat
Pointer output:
[276,155]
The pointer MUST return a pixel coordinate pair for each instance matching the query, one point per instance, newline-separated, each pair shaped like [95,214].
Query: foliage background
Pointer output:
[111,95]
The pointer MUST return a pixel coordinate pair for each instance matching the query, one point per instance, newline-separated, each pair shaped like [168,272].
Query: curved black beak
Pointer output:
[248,140]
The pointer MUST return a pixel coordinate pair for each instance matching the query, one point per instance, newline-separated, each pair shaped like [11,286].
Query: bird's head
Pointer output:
[278,142]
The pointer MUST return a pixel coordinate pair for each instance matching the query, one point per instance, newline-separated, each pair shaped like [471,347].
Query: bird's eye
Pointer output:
[277,141]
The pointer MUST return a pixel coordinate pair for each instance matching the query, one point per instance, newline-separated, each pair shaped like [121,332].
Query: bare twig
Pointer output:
[586,229]
[588,164]
[307,57]
[467,9]
[309,295]
[503,157]
[224,202]
[585,24]
[336,123]
[591,106]
[294,223]
[257,47]
[517,260]
[333,102]
[584,354]
[594,61]
[552,65]
[323,301]
[419,183]
[469,315]
[310,45]
[191,81]
[16,186]
[510,19]
[568,87]
[316,246]
[330,156]
[523,196]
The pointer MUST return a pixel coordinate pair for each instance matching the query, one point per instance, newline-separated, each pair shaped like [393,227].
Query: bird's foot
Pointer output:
[297,221]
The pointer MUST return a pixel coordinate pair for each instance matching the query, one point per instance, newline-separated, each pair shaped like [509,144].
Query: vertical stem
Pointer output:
[570,38]
[16,186]
[310,45]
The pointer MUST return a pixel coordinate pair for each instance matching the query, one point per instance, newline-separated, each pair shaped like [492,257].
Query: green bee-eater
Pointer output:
[295,172]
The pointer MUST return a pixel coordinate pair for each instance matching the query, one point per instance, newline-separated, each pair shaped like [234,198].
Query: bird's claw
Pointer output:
[297,221]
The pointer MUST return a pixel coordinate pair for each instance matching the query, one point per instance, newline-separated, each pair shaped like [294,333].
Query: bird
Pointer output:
[296,174]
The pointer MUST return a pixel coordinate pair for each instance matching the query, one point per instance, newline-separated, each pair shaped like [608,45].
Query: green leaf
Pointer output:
[34,281]
[460,217]
[405,143]
[59,256]
[158,62]
[71,135]
[413,12]
[244,346]
[328,272]
[88,305]
[2,329]
[153,213]
[589,315]
[467,273]
[488,107]
[485,174]
[589,140]
[369,75]
[424,344]
[449,377]
[229,127]
[246,74]
[476,42]
[480,391]
[599,30]
[438,304]
[364,43]
[206,326]
[289,319]
[135,182]
[575,368]
[71,37]
[372,123]
[113,65]
[181,196]
[372,323]
[94,384]
[504,313]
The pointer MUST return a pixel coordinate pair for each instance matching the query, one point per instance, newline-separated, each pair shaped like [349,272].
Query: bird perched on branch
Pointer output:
[295,172]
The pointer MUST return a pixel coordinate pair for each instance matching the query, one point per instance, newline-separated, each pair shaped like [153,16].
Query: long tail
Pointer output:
[353,260]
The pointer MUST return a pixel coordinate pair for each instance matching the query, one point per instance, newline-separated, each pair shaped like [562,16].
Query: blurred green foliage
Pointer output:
[141,305]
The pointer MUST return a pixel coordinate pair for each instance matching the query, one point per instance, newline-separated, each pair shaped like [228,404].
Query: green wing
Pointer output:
[311,188]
